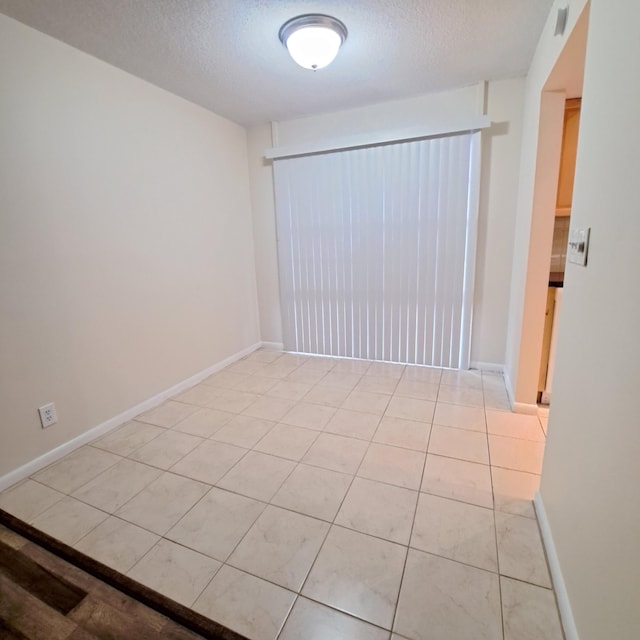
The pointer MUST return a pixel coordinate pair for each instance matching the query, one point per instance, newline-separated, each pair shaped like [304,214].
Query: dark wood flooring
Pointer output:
[45,594]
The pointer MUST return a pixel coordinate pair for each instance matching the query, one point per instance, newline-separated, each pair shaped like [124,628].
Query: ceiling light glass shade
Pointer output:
[313,41]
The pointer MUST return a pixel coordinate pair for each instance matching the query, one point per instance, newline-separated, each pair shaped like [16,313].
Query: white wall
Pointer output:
[498,197]
[591,476]
[126,256]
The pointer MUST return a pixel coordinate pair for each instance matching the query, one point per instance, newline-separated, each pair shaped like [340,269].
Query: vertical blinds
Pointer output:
[376,250]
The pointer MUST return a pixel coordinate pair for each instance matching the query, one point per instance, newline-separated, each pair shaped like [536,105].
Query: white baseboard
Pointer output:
[564,606]
[92,433]
[272,346]
[489,367]
[518,407]
[523,407]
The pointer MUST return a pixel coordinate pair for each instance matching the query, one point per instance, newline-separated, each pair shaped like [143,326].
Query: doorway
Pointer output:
[562,219]
[564,82]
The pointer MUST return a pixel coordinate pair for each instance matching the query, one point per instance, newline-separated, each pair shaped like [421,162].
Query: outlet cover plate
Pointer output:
[48,415]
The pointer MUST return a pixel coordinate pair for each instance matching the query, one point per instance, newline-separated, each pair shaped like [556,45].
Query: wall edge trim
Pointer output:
[562,596]
[29,468]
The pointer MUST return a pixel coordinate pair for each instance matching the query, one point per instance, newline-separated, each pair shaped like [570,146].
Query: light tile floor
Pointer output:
[309,497]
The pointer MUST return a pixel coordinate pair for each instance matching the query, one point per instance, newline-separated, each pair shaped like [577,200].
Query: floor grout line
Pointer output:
[413,523]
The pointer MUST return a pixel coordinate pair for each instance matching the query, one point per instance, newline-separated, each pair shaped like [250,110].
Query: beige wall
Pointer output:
[591,475]
[498,194]
[126,257]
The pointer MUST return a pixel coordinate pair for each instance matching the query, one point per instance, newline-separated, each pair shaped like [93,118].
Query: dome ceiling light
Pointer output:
[313,40]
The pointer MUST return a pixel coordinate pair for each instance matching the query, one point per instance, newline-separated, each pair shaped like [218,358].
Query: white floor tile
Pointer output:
[269,408]
[29,499]
[530,612]
[386,370]
[314,621]
[336,453]
[514,425]
[456,530]
[76,469]
[459,443]
[168,414]
[243,431]
[257,475]
[367,402]
[393,465]
[232,401]
[410,409]
[377,384]
[430,375]
[162,503]
[288,390]
[209,461]
[204,422]
[461,417]
[340,380]
[251,606]
[309,416]
[287,441]
[175,571]
[444,599]
[354,424]
[407,434]
[520,550]
[357,574]
[457,378]
[514,491]
[118,484]
[417,389]
[69,520]
[379,509]
[461,395]
[117,543]
[217,523]
[127,438]
[516,454]
[167,449]
[280,547]
[327,396]
[458,479]
[349,365]
[256,384]
[313,491]
[199,395]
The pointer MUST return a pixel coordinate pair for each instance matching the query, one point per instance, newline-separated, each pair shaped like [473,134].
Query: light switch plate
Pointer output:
[578,246]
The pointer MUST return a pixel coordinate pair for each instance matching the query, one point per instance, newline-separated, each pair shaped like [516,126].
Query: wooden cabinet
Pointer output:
[568,157]
[546,340]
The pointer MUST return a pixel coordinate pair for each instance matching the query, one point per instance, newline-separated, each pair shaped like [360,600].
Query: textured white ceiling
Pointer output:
[226,56]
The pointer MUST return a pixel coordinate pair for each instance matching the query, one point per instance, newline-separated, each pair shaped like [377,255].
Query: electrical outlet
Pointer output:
[48,416]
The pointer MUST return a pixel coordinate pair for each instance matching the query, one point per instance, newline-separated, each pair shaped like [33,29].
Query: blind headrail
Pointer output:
[375,138]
